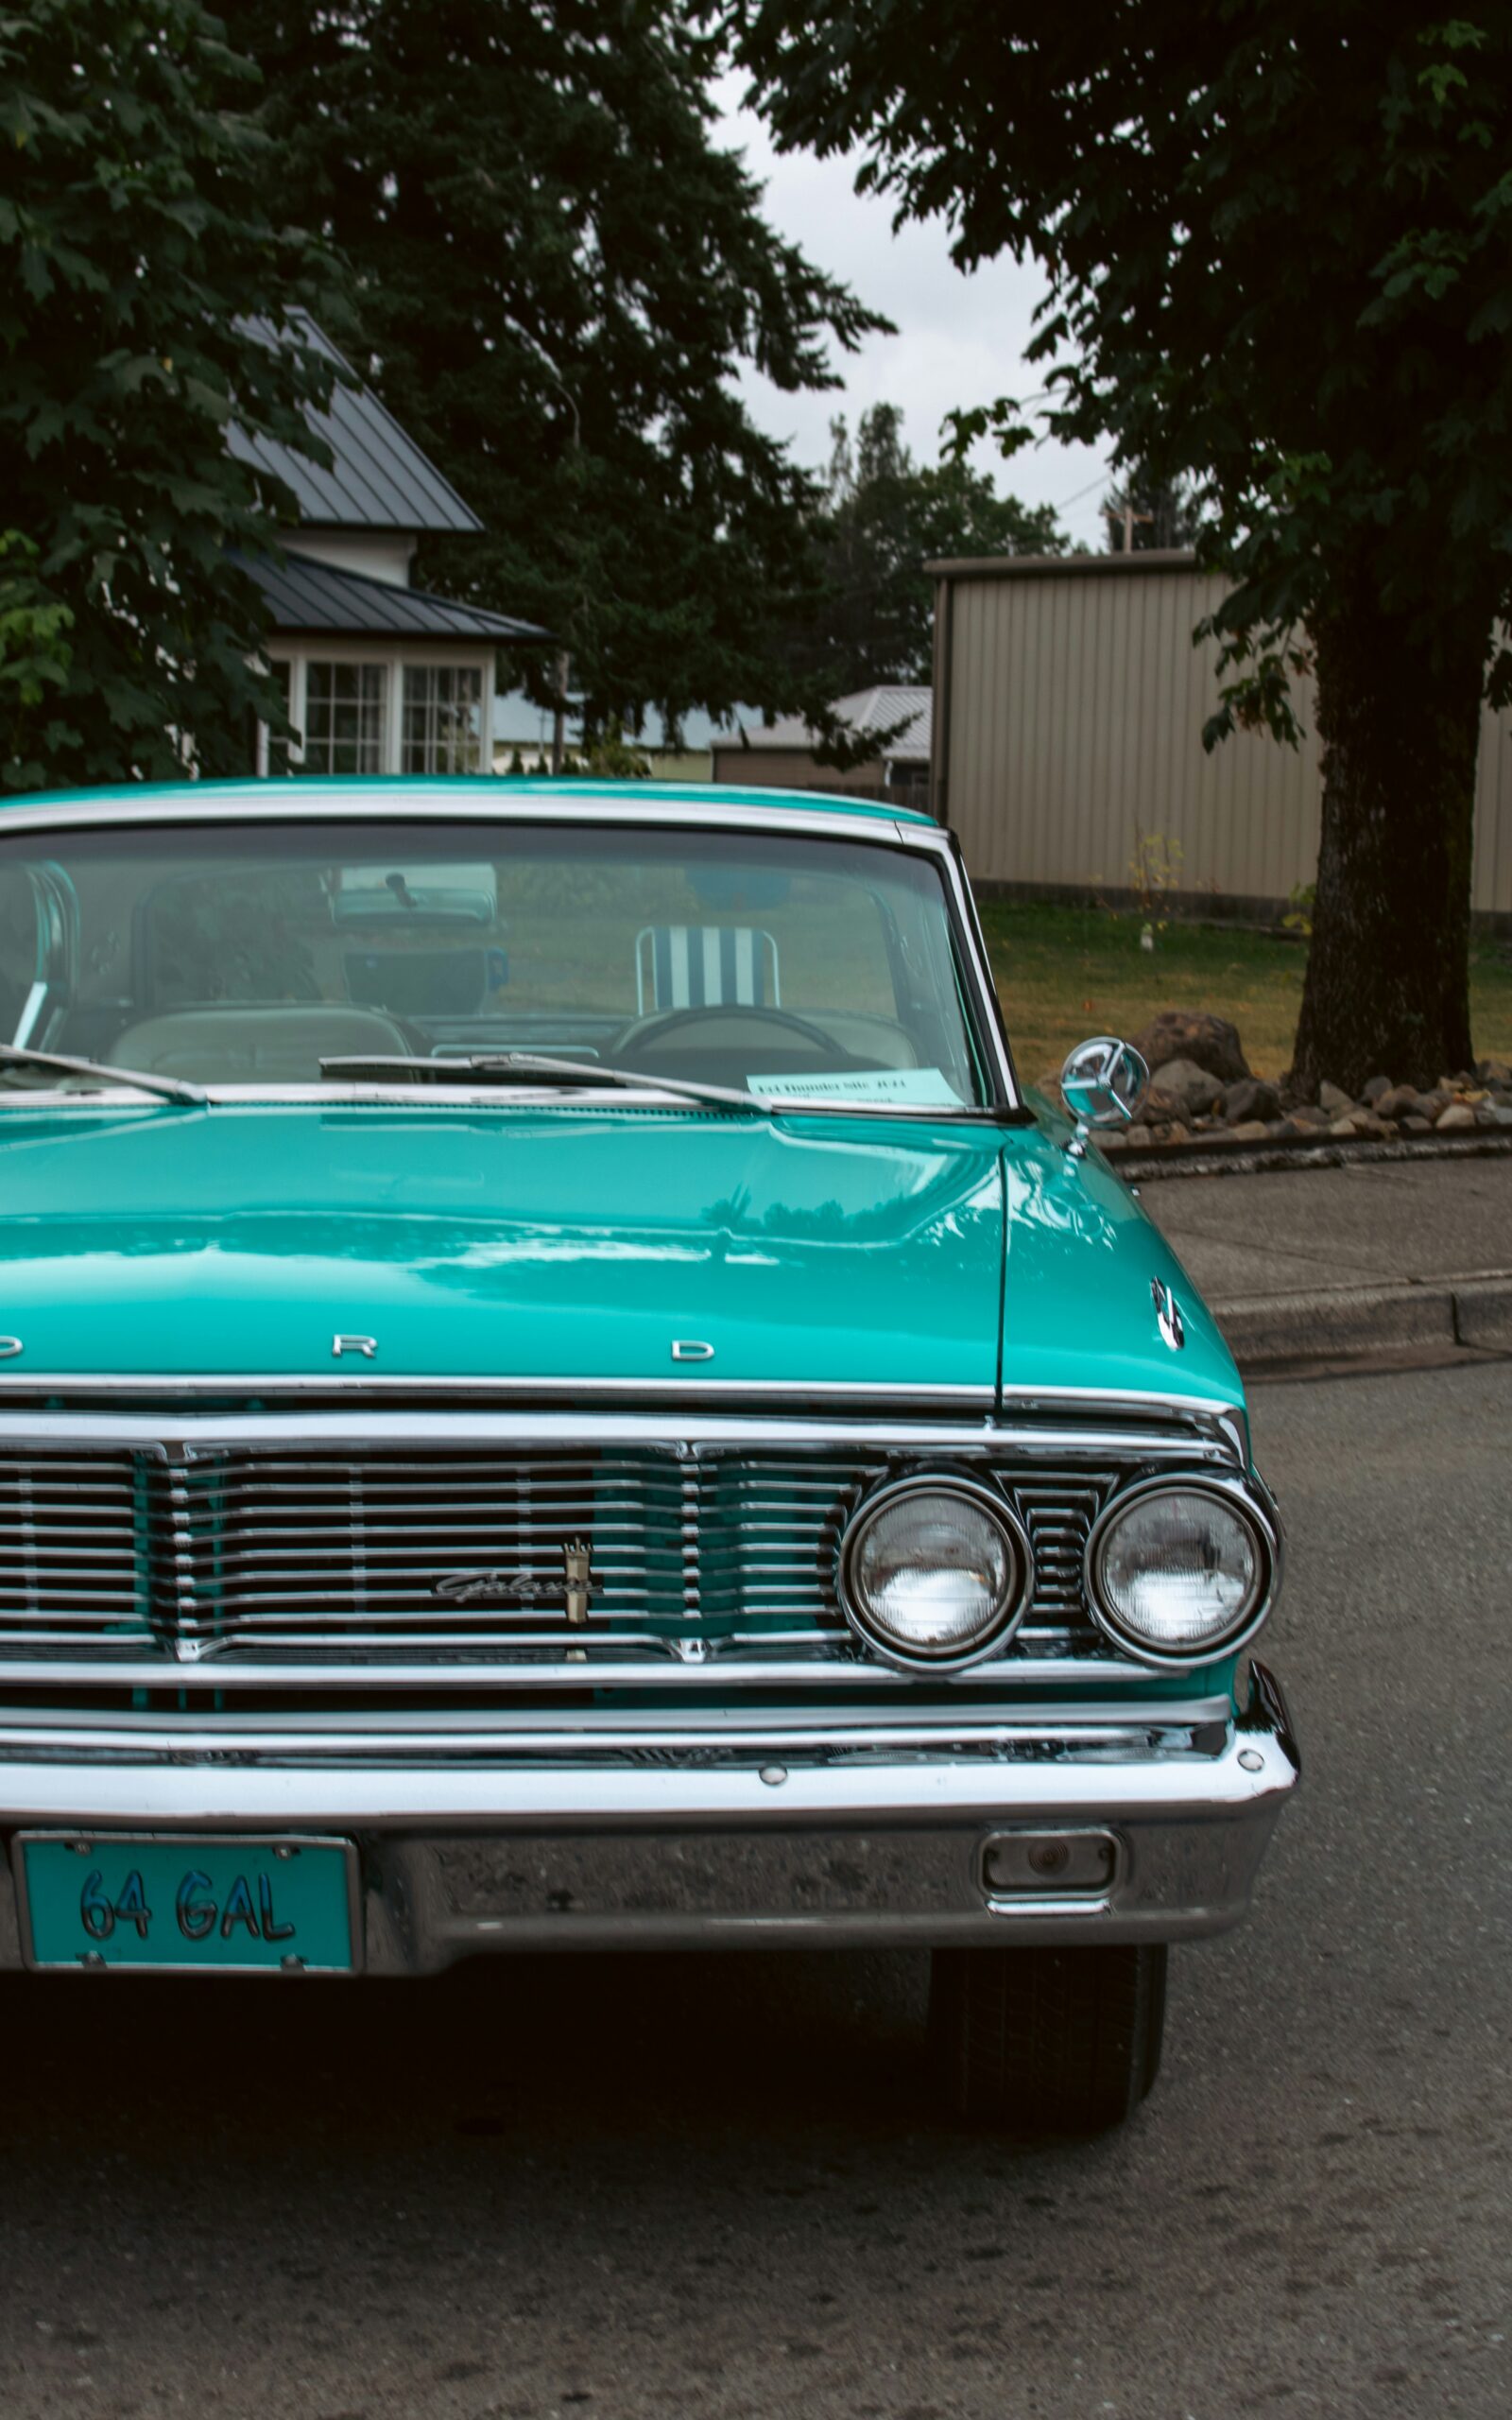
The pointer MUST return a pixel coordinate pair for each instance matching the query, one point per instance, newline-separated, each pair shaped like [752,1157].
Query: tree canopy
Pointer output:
[880,519]
[559,278]
[1277,243]
[137,232]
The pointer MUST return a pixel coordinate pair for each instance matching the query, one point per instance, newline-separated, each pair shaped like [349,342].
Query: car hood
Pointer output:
[514,1243]
[518,1243]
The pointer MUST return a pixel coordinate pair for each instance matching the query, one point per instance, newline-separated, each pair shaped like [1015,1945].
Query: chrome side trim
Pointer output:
[352,1423]
[654,1673]
[365,1386]
[699,1733]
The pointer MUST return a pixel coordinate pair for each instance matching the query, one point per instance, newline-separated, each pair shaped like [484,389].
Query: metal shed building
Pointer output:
[1069,706]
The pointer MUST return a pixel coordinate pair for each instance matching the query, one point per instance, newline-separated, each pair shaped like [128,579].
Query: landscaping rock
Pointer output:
[1416,1125]
[1209,1041]
[1337,1103]
[1458,1119]
[1400,1100]
[1138,1137]
[1252,1129]
[1495,1071]
[1374,1089]
[1190,1088]
[1308,1113]
[1248,1099]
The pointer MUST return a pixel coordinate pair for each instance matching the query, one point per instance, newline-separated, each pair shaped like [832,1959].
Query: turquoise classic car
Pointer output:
[556,1392]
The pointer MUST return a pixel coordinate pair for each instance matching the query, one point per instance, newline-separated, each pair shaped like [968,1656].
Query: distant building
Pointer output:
[522,731]
[1069,707]
[380,677]
[782,755]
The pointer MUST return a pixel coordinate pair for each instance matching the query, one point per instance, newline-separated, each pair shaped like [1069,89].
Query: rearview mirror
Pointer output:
[1103,1083]
[396,896]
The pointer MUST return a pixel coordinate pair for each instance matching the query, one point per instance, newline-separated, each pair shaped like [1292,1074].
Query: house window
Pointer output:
[443,718]
[344,714]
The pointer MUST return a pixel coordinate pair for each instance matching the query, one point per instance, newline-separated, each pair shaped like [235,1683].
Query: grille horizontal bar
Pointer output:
[241,1553]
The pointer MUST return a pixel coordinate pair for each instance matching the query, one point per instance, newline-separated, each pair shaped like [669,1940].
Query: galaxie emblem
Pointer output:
[576,1585]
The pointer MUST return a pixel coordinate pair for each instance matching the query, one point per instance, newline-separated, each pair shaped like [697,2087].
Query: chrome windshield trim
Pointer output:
[297,803]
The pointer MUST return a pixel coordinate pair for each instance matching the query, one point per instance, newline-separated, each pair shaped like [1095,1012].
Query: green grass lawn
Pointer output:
[1065,972]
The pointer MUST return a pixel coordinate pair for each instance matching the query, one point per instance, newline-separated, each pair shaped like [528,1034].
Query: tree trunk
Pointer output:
[1387,990]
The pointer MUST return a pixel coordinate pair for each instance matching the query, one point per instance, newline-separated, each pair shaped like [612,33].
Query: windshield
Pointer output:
[782,966]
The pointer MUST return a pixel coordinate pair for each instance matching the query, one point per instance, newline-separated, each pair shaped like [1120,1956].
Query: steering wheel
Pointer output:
[645,1035]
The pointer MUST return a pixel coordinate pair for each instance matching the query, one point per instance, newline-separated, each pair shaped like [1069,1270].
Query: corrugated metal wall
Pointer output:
[1072,726]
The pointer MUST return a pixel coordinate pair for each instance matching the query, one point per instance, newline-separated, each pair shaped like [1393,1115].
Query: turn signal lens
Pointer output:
[933,1573]
[1178,1572]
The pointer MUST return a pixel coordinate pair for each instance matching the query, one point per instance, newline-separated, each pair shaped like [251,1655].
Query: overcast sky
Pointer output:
[960,339]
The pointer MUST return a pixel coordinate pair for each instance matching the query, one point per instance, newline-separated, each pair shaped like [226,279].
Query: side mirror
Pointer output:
[1103,1083]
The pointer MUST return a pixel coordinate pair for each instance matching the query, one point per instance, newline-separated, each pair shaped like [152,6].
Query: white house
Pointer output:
[381,677]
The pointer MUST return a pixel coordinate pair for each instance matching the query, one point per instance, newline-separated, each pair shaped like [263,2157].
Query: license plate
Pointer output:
[226,1905]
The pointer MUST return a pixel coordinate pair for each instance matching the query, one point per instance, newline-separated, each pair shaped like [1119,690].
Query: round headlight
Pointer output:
[934,1571]
[1178,1572]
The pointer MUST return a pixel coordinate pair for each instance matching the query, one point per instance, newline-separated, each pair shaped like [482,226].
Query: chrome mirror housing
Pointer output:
[1103,1083]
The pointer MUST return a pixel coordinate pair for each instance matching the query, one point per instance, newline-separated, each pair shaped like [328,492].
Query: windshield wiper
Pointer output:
[524,1067]
[167,1087]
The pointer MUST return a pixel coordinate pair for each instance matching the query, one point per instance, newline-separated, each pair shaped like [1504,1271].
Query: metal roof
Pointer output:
[379,478]
[307,595]
[875,709]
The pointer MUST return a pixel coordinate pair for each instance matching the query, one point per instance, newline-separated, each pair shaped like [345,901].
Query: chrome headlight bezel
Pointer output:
[1020,1564]
[1242,1496]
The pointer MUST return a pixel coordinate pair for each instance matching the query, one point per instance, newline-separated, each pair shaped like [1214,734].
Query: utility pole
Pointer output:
[1129,517]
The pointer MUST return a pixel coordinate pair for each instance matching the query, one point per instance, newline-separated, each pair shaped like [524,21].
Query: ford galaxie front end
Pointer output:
[555,1392]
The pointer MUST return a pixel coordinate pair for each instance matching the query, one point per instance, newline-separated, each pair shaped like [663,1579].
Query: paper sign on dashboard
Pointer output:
[914,1087]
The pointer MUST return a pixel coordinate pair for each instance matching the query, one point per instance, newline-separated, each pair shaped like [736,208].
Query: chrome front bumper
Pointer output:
[707,1836]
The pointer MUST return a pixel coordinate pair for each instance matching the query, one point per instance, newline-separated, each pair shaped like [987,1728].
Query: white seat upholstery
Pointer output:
[705,966]
[256,1045]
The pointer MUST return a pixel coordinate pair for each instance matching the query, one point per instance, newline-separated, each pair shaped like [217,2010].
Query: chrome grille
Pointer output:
[236,1555]
[75,1549]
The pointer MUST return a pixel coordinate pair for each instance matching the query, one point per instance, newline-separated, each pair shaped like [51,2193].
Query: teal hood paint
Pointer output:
[514,1243]
[1082,1257]
[508,1242]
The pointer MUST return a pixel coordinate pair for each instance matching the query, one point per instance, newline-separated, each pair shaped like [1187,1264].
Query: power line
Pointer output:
[1080,493]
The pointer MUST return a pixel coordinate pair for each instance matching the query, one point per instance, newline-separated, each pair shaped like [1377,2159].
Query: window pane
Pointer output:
[344,714]
[443,718]
[806,965]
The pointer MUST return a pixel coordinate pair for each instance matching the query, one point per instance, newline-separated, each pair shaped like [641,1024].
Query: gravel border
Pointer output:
[1210,1156]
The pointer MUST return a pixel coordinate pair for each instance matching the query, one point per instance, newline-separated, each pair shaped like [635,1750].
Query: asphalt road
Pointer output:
[715,2186]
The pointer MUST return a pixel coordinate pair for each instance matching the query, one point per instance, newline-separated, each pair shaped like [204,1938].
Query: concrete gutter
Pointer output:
[1371,1259]
[1268,1333]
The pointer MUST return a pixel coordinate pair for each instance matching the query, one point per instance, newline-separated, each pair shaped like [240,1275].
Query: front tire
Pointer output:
[1047,2041]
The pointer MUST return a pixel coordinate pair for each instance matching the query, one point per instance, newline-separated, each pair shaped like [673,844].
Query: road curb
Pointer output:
[1472,1312]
